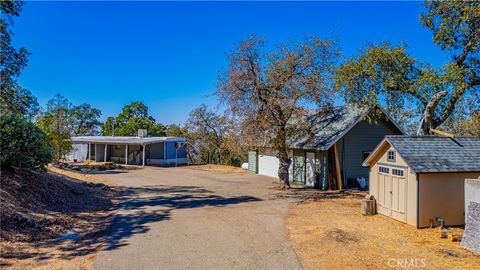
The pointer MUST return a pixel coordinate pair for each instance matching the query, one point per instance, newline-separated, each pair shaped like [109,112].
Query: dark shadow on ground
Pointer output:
[137,208]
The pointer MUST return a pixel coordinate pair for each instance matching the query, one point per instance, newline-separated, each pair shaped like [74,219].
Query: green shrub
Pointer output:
[23,144]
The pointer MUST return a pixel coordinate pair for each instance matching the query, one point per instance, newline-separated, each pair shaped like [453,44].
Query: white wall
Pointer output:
[472,193]
[268,165]
[78,152]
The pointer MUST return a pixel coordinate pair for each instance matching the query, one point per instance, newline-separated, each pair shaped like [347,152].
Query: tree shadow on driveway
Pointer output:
[144,205]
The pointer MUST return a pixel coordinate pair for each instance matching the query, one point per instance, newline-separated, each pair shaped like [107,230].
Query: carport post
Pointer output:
[105,154]
[126,154]
[143,155]
[165,152]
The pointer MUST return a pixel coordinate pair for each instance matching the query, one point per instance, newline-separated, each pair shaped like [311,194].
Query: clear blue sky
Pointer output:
[169,54]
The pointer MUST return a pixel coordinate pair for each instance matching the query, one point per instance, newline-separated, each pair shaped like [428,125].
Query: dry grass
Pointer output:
[332,234]
[81,176]
[219,168]
[36,208]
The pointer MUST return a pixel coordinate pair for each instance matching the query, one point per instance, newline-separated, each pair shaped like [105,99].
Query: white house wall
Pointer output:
[79,152]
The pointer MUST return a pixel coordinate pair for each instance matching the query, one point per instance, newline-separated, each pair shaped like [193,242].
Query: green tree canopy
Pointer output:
[13,98]
[23,144]
[133,117]
[386,74]
[61,120]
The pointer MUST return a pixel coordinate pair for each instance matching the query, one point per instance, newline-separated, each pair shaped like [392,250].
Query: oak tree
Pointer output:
[386,74]
[270,92]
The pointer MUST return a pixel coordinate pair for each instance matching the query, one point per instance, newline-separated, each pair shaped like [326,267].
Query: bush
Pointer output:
[23,144]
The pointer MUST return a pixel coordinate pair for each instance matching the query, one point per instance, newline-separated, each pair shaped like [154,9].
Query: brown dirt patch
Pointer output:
[218,168]
[332,234]
[38,207]
[92,178]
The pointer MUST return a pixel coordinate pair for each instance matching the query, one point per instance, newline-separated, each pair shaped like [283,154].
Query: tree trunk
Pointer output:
[428,120]
[284,165]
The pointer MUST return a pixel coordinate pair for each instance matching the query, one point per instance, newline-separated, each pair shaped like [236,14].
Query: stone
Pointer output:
[471,235]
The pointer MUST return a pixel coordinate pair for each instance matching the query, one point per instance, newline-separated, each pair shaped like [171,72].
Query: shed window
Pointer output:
[382,169]
[391,156]
[398,172]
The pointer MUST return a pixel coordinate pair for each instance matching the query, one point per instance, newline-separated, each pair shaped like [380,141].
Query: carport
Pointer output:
[162,151]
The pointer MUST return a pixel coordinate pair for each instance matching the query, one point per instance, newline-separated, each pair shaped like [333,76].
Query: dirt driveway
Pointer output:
[191,218]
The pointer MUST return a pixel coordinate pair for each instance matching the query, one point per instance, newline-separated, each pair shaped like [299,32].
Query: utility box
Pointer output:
[142,133]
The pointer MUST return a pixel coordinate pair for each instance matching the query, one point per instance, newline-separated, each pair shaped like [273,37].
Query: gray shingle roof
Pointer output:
[426,154]
[330,126]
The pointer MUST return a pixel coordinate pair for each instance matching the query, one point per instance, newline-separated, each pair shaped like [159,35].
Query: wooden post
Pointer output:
[337,168]
[89,151]
[126,154]
[105,154]
[143,155]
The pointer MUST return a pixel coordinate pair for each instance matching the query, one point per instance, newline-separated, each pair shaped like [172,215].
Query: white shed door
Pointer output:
[392,193]
[268,165]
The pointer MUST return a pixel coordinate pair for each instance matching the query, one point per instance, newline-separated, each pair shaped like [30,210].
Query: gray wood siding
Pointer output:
[321,168]
[363,137]
[155,151]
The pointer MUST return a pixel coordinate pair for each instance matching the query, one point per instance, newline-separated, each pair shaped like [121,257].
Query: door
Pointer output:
[268,165]
[392,192]
[252,161]
[310,169]
[299,169]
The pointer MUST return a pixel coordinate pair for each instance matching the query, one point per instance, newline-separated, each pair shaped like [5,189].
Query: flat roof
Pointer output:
[125,139]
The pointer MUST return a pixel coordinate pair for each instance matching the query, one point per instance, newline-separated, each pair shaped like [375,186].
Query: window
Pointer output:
[382,169]
[398,172]
[391,156]
[365,154]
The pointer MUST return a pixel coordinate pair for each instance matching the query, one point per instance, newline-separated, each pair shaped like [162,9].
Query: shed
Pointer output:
[163,151]
[343,138]
[418,179]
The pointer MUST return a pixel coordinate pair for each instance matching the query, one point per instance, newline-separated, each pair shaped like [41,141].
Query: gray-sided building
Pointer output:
[159,151]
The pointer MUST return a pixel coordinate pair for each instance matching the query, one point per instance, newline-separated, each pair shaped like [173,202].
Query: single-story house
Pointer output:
[163,151]
[343,138]
[419,179]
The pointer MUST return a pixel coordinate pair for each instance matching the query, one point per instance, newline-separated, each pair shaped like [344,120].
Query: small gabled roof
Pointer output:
[434,154]
[124,139]
[329,127]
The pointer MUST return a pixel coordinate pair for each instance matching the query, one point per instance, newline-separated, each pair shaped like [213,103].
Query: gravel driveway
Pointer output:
[189,218]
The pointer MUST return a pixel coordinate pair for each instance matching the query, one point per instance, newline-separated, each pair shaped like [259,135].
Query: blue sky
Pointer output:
[169,54]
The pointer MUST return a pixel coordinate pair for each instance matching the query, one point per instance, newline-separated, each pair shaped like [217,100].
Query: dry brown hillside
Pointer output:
[37,208]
